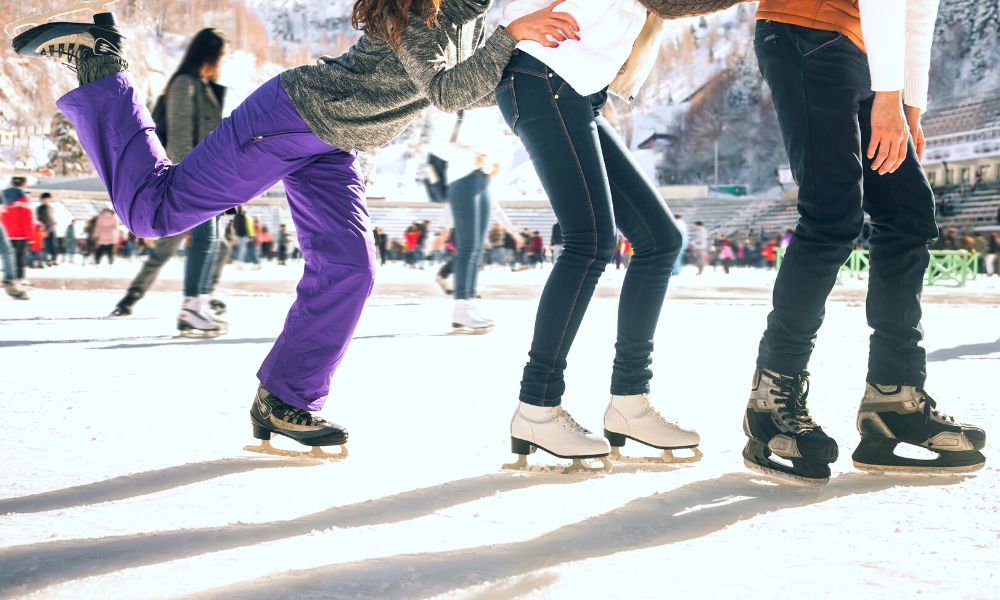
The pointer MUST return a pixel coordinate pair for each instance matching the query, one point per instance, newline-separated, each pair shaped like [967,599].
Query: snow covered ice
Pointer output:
[123,474]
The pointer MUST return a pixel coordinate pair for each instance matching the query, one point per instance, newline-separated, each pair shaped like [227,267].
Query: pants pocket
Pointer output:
[507,101]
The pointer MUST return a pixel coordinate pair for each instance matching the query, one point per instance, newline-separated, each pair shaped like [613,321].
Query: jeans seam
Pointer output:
[593,220]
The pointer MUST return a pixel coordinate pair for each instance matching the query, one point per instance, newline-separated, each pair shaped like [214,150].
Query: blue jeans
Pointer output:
[826,138]
[6,254]
[470,207]
[202,249]
[596,187]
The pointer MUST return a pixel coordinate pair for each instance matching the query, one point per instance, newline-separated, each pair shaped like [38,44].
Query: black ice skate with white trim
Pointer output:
[777,422]
[635,418]
[69,42]
[553,430]
[893,415]
[270,416]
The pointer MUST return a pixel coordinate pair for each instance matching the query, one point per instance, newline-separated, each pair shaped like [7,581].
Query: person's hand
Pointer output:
[916,130]
[495,170]
[887,149]
[545,26]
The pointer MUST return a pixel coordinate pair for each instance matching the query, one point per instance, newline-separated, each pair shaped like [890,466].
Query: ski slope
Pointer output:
[123,474]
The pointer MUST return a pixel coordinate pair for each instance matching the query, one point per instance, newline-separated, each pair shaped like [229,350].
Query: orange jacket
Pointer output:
[841,16]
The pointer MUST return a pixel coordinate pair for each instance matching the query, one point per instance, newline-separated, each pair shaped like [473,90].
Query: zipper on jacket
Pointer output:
[260,138]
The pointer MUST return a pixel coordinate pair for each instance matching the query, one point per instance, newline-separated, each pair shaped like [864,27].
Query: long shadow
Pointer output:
[140,484]
[965,350]
[689,512]
[175,341]
[20,343]
[24,569]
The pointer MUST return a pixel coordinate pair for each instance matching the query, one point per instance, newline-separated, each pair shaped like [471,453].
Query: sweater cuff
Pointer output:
[886,77]
[503,40]
[915,92]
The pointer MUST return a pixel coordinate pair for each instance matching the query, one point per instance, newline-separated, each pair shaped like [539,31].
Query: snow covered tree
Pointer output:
[67,157]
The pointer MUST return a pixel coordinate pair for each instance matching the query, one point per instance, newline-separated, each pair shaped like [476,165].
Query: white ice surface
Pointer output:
[123,477]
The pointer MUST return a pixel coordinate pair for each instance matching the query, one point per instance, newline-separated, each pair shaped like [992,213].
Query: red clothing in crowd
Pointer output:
[412,238]
[19,220]
[38,238]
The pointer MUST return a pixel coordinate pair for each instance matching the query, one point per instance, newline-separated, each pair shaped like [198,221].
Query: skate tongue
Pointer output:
[105,19]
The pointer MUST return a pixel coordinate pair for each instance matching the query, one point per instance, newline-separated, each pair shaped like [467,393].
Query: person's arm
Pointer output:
[460,86]
[181,117]
[455,88]
[883,25]
[920,18]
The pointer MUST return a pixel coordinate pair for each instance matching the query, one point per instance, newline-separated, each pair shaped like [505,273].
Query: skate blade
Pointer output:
[199,334]
[667,458]
[782,477]
[577,466]
[463,330]
[930,469]
[95,6]
[316,453]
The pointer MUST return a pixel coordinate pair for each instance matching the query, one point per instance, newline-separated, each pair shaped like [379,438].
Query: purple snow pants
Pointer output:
[263,141]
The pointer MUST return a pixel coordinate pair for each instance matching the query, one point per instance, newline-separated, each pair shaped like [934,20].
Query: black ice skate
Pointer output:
[269,416]
[778,422]
[217,306]
[69,42]
[891,415]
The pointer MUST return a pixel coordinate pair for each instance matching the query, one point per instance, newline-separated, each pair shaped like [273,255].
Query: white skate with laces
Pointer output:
[40,18]
[634,417]
[553,430]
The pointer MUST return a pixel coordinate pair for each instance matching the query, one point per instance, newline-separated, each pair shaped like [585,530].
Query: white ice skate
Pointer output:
[553,429]
[465,321]
[476,310]
[635,418]
[194,322]
[94,6]
[14,290]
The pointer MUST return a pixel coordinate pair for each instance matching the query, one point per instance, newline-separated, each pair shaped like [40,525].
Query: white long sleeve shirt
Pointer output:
[898,37]
[608,29]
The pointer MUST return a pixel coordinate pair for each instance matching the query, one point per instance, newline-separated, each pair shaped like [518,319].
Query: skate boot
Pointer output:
[69,42]
[124,306]
[891,415]
[193,322]
[777,421]
[14,291]
[552,429]
[477,313]
[635,418]
[270,416]
[464,319]
[442,283]
[217,306]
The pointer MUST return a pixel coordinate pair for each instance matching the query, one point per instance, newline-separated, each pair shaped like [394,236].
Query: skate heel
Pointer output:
[261,433]
[521,447]
[617,440]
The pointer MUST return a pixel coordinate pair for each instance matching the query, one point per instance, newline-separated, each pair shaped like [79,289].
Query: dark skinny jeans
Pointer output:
[594,185]
[822,94]
[470,208]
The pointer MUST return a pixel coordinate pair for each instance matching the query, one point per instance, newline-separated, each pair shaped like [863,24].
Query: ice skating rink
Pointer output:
[123,474]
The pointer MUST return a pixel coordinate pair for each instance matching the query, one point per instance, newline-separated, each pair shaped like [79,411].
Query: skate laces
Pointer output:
[568,421]
[930,409]
[792,393]
[653,412]
[68,53]
[297,416]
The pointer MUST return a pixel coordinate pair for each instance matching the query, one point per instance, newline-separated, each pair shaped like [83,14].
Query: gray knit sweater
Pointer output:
[367,96]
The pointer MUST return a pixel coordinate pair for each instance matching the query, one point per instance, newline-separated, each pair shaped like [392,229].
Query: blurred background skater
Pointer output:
[188,111]
[16,222]
[105,235]
[45,216]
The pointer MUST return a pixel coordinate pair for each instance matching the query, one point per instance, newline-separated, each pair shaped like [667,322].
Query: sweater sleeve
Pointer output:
[920,18]
[883,24]
[462,85]
[180,117]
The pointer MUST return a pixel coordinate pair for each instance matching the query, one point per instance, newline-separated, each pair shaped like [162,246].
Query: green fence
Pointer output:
[947,267]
